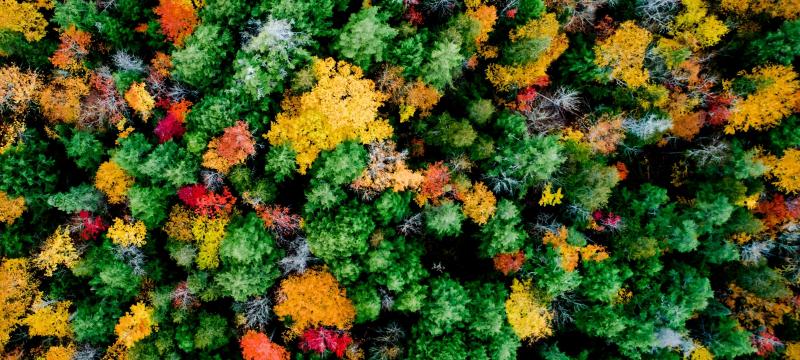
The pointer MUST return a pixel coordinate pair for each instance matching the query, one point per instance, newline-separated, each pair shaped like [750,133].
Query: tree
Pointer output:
[503,234]
[197,64]
[113,181]
[58,249]
[479,203]
[443,66]
[122,234]
[20,90]
[787,171]
[209,232]
[444,219]
[446,309]
[529,317]
[321,340]
[314,299]
[73,48]
[365,38]
[773,98]
[230,149]
[177,19]
[541,35]
[781,46]
[49,319]
[624,52]
[17,291]
[140,100]
[257,346]
[136,325]
[25,16]
[342,106]
[60,100]
[11,208]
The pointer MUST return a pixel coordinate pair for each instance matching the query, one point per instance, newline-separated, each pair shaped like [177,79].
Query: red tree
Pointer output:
[257,346]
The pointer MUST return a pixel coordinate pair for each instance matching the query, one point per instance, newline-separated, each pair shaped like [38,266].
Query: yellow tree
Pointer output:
[113,181]
[136,325]
[529,318]
[313,299]
[17,291]
[25,17]
[695,27]
[550,198]
[49,319]
[124,234]
[209,234]
[60,352]
[479,203]
[624,52]
[140,100]
[57,250]
[787,171]
[60,100]
[546,28]
[10,209]
[777,94]
[341,106]
[19,88]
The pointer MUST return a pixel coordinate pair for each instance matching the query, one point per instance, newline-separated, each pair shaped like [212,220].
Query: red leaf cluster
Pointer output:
[718,109]
[777,211]
[278,219]
[437,176]
[509,262]
[91,226]
[323,339]
[178,19]
[169,127]
[766,342]
[182,298]
[207,203]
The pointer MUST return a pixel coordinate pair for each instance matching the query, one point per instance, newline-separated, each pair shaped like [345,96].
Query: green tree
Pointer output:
[365,38]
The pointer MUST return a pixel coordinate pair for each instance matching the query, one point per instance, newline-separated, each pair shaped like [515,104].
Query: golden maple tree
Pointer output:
[530,319]
[25,17]
[123,234]
[341,106]
[776,96]
[140,100]
[787,171]
[135,325]
[17,291]
[11,208]
[624,52]
[113,181]
[479,203]
[58,249]
[313,299]
[49,319]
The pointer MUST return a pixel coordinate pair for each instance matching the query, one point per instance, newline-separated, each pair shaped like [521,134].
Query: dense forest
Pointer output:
[399,179]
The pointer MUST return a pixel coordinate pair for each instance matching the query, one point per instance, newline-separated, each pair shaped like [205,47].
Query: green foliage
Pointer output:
[83,197]
[365,38]
[341,233]
[526,163]
[503,233]
[444,220]
[249,256]
[198,64]
[149,204]
[446,308]
[781,46]
[212,332]
[342,165]
[443,65]
[392,207]
[84,148]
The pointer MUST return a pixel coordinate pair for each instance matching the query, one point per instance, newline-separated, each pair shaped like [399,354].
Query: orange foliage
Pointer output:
[180,223]
[161,64]
[73,48]
[342,106]
[386,169]
[61,99]
[59,352]
[685,122]
[776,212]
[314,299]
[605,135]
[509,263]
[486,16]
[570,254]
[17,291]
[113,181]
[178,19]
[19,89]
[479,203]
[230,149]
[421,97]
[136,325]
[49,319]
[622,170]
[434,184]
[753,311]
[257,346]
[11,209]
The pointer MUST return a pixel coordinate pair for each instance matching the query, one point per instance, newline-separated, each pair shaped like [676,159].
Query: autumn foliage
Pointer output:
[257,346]
[314,299]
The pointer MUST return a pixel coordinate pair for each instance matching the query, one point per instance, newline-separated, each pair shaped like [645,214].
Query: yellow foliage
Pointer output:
[342,106]
[17,290]
[792,351]
[19,88]
[505,77]
[59,352]
[136,325]
[775,98]
[486,16]
[701,353]
[529,318]
[113,181]
[124,234]
[58,249]
[24,16]
[209,234]
[570,134]
[314,299]
[549,198]
[11,209]
[479,204]
[789,9]
[571,254]
[49,319]
[787,171]
[61,99]
[140,100]
[624,52]
[387,169]
[694,27]
[180,223]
